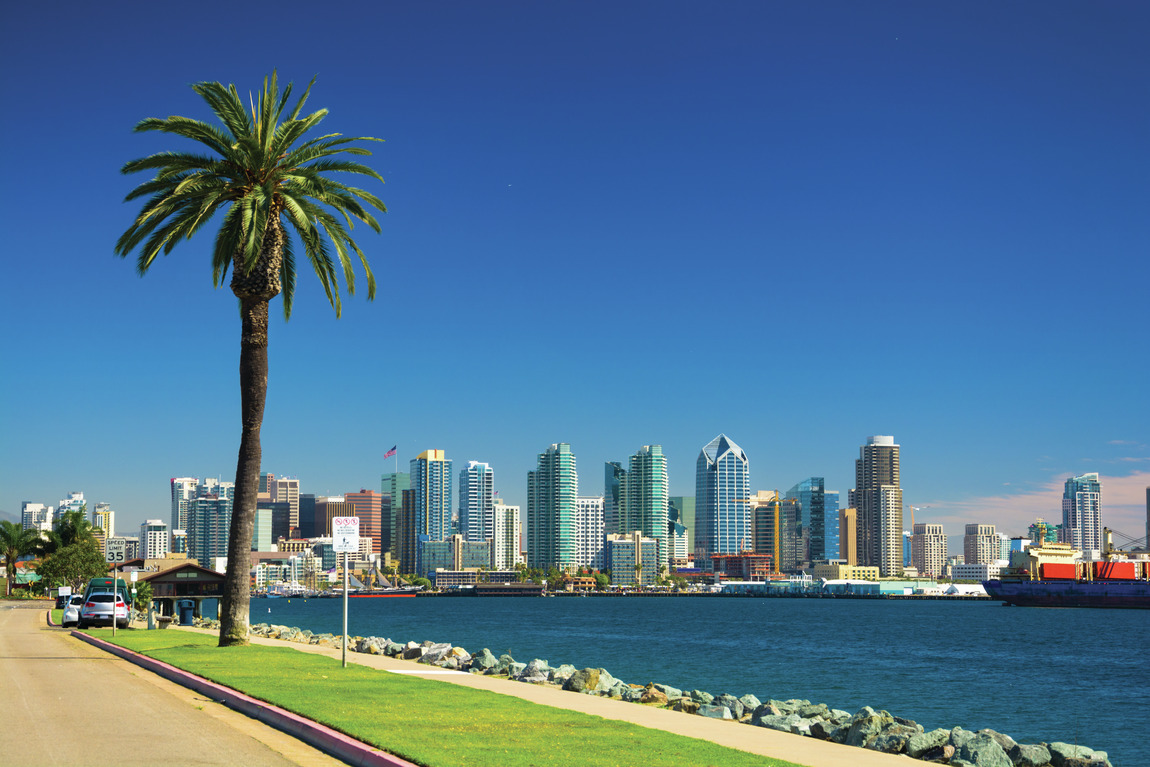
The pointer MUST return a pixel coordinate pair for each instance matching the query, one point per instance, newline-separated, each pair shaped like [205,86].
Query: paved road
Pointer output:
[67,703]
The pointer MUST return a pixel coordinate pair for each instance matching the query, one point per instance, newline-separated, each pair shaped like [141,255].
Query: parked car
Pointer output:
[72,610]
[98,610]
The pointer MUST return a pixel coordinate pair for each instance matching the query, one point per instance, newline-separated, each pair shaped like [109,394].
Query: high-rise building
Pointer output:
[392,487]
[1043,532]
[645,501]
[104,518]
[209,524]
[154,540]
[262,529]
[368,506]
[775,531]
[906,536]
[980,545]
[35,516]
[327,508]
[614,496]
[928,549]
[848,535]
[286,490]
[634,560]
[677,531]
[505,537]
[476,501]
[431,493]
[818,519]
[551,492]
[589,536]
[1082,513]
[307,515]
[877,495]
[74,502]
[722,500]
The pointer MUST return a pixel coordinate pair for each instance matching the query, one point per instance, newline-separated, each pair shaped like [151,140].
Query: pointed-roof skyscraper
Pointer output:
[722,500]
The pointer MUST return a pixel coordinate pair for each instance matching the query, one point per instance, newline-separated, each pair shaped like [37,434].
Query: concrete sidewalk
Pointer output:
[745,737]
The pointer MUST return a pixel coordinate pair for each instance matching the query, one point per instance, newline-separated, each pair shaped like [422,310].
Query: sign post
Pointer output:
[115,551]
[345,540]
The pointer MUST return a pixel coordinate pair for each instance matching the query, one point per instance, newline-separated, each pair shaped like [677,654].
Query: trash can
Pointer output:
[187,608]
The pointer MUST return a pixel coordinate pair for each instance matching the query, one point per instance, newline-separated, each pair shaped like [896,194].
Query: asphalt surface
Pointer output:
[67,703]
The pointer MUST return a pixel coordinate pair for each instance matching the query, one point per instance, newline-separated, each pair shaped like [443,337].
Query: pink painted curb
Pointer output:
[314,734]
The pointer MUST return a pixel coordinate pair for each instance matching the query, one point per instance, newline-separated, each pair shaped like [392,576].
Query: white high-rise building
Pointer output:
[477,502]
[183,490]
[154,539]
[505,537]
[35,516]
[1082,513]
[589,535]
[877,496]
[74,502]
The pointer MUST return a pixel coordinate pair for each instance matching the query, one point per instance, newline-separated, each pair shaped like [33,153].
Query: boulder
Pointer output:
[701,697]
[1029,756]
[1064,754]
[393,649]
[801,725]
[750,703]
[923,742]
[812,710]
[483,660]
[1002,739]
[535,672]
[668,690]
[515,669]
[651,696]
[958,736]
[766,709]
[618,690]
[584,680]
[866,725]
[732,703]
[560,675]
[686,705]
[634,693]
[783,706]
[893,739]
[822,729]
[503,665]
[776,722]
[434,653]
[714,712]
[455,658]
[606,681]
[940,754]
[412,651]
[982,750]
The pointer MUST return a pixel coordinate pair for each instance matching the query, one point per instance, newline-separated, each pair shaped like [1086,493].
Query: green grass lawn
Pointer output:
[425,721]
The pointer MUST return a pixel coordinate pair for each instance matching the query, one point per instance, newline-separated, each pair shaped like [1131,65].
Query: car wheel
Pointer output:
[122,624]
[81,625]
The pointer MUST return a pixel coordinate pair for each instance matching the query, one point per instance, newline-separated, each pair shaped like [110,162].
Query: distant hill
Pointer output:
[9,516]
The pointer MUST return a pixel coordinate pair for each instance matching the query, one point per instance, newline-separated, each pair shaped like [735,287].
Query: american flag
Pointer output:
[391,452]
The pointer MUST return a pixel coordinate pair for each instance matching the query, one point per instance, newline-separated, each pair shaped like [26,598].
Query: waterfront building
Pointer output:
[155,543]
[744,566]
[685,505]
[980,545]
[180,542]
[368,506]
[404,542]
[877,495]
[928,549]
[477,501]
[104,518]
[279,519]
[633,559]
[286,490]
[551,492]
[818,517]
[906,534]
[981,571]
[505,537]
[839,570]
[453,553]
[74,502]
[676,535]
[775,531]
[848,535]
[431,493]
[1003,546]
[392,487]
[590,539]
[722,506]
[1082,513]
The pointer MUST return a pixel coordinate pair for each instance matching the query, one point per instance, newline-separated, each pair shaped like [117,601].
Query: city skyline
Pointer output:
[639,217]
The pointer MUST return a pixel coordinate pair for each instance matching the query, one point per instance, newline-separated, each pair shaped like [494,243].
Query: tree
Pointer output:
[268,181]
[72,527]
[16,542]
[143,595]
[74,565]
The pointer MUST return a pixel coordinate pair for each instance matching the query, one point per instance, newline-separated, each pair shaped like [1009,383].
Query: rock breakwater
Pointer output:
[866,728]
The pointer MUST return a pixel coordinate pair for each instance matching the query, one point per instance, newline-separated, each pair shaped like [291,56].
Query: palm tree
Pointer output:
[16,542]
[268,180]
[72,527]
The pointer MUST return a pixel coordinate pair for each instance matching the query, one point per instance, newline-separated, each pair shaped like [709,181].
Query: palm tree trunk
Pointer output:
[253,392]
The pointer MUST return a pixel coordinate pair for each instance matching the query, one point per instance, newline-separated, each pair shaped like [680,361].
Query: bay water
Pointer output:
[1036,674]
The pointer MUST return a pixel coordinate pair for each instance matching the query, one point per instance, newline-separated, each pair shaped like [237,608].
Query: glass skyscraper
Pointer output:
[477,502]
[1082,512]
[431,497]
[818,519]
[551,492]
[722,500]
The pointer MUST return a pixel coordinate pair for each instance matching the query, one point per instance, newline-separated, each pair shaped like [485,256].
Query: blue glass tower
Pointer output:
[722,500]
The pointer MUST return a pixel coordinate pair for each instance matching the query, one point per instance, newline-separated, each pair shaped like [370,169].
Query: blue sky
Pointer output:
[611,224]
